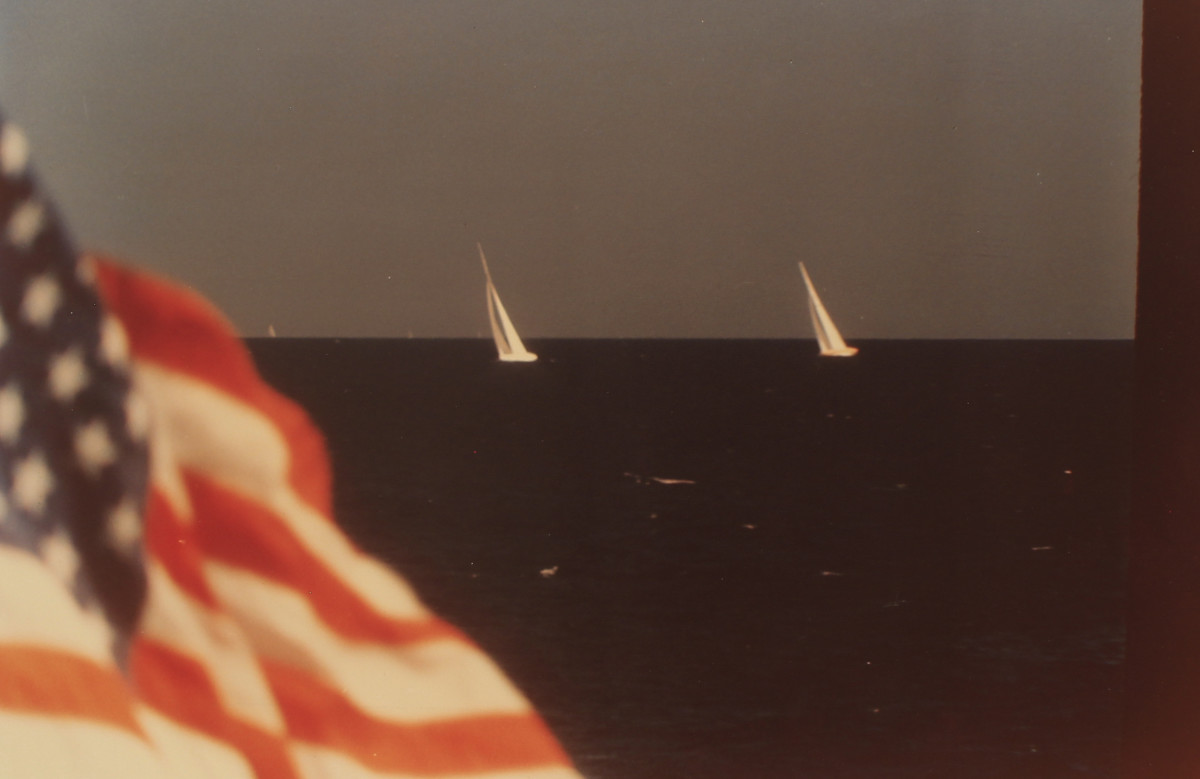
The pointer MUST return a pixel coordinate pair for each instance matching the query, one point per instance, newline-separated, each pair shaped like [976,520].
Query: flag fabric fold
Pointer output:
[175,597]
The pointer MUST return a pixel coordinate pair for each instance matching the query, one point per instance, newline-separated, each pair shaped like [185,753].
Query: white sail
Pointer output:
[828,336]
[508,343]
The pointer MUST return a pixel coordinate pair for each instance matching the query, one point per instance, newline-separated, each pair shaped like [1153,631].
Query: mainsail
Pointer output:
[828,336]
[508,343]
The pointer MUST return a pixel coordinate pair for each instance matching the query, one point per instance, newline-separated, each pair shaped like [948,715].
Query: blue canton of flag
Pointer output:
[73,462]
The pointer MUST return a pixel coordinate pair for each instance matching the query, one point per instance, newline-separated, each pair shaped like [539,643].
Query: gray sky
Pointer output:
[649,168]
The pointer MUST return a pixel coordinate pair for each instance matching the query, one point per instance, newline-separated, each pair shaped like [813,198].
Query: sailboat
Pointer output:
[508,343]
[828,336]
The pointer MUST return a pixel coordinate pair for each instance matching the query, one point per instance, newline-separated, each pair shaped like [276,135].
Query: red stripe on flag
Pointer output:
[179,688]
[173,544]
[251,537]
[177,329]
[317,714]
[52,683]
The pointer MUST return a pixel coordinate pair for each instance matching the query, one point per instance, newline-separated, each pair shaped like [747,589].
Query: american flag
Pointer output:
[175,598]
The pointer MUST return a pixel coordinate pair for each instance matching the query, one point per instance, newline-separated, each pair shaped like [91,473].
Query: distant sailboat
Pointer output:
[828,336]
[508,343]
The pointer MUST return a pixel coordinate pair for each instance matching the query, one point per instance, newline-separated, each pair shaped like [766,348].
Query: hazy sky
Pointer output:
[945,168]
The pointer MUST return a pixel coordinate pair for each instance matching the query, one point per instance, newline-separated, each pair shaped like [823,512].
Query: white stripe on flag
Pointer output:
[321,763]
[189,754]
[33,746]
[422,682]
[216,642]
[237,446]
[36,609]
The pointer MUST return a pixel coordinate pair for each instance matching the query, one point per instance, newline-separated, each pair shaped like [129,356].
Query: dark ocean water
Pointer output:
[906,564]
